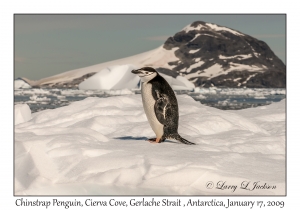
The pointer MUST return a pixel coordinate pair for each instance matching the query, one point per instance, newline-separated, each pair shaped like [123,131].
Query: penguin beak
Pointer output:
[135,71]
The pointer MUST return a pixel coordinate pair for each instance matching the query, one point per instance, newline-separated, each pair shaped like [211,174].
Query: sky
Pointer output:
[46,45]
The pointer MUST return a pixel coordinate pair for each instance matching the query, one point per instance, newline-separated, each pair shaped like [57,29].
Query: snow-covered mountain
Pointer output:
[212,55]
[206,54]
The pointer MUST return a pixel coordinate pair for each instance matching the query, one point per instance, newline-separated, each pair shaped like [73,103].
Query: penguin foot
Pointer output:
[153,140]
[156,140]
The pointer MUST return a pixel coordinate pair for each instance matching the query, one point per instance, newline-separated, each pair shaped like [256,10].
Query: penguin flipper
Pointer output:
[160,108]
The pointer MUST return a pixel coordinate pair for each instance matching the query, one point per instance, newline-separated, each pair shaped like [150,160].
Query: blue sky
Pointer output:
[46,45]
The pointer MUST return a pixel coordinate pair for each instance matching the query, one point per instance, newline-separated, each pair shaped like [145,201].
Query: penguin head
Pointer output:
[145,73]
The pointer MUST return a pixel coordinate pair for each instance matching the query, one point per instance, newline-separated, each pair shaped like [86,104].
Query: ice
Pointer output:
[186,82]
[112,78]
[178,83]
[36,98]
[120,77]
[97,146]
[253,92]
[22,113]
[36,91]
[205,90]
[19,83]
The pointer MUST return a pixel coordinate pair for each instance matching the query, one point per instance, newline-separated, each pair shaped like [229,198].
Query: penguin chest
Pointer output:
[148,103]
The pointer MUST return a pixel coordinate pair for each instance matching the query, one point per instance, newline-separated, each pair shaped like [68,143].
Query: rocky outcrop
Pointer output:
[212,55]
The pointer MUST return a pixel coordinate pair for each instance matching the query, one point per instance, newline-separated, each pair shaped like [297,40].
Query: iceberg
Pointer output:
[112,78]
[19,83]
[120,77]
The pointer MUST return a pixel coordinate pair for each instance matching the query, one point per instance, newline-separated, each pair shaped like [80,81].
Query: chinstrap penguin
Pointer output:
[160,105]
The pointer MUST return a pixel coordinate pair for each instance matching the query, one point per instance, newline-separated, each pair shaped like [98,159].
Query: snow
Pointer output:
[239,57]
[19,83]
[75,92]
[22,113]
[186,82]
[178,83]
[194,51]
[120,77]
[219,28]
[236,66]
[197,59]
[236,79]
[249,78]
[190,28]
[96,147]
[217,70]
[256,54]
[213,71]
[192,75]
[213,26]
[202,34]
[195,38]
[195,65]
[112,78]
[208,35]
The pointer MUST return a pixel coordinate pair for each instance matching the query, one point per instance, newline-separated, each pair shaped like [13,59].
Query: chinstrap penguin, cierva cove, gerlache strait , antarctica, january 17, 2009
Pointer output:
[160,105]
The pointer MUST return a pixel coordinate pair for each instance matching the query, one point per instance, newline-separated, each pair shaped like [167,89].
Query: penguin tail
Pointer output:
[179,138]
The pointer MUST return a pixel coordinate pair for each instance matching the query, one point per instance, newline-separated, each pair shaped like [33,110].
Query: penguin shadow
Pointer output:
[131,138]
[139,139]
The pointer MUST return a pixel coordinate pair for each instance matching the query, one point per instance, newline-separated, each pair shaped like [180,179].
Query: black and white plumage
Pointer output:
[160,105]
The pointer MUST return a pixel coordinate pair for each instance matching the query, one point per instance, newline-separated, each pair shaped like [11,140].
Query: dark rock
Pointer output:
[167,72]
[213,44]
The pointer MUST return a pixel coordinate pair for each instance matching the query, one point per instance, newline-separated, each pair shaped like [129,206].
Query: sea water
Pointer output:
[221,98]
